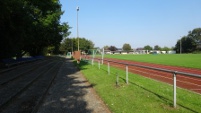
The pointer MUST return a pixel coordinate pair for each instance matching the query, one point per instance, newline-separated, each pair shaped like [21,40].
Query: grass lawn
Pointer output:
[182,60]
[141,95]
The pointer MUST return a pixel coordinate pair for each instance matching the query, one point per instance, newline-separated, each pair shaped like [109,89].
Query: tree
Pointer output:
[147,47]
[156,47]
[86,44]
[165,49]
[126,47]
[177,46]
[14,27]
[112,48]
[66,45]
[195,34]
[106,47]
[188,45]
[71,44]
[30,26]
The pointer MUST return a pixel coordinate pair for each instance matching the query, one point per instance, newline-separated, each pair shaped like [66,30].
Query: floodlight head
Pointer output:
[77,8]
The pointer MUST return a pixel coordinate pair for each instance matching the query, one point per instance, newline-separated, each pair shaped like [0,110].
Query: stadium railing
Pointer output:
[173,72]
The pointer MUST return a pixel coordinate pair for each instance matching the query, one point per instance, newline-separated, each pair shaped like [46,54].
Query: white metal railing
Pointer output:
[173,72]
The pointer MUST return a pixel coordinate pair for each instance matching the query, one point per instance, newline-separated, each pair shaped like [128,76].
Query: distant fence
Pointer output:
[174,73]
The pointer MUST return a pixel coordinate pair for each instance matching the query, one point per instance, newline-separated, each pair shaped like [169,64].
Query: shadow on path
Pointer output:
[68,92]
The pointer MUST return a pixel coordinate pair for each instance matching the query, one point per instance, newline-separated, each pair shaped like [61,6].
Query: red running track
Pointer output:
[186,82]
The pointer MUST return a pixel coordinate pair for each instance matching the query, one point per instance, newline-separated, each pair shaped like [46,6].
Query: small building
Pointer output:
[141,51]
[155,52]
[119,51]
[163,52]
[171,52]
[107,52]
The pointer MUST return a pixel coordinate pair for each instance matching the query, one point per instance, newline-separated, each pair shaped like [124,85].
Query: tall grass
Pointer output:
[141,95]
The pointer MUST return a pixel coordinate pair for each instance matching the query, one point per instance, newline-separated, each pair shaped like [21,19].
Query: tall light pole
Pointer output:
[78,45]
[180,46]
[72,44]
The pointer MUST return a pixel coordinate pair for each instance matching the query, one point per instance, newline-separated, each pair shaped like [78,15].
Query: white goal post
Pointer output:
[96,53]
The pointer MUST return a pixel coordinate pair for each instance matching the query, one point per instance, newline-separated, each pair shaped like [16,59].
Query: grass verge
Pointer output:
[140,95]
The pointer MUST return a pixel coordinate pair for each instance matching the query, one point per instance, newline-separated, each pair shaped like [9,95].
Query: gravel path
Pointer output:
[71,93]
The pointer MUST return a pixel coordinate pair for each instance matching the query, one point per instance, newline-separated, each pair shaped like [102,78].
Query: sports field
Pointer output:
[182,60]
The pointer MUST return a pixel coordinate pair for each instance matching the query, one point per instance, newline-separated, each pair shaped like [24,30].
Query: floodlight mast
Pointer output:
[78,32]
[180,46]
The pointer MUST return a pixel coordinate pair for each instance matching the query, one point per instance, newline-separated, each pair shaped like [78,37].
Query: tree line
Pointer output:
[127,47]
[30,27]
[187,44]
[71,44]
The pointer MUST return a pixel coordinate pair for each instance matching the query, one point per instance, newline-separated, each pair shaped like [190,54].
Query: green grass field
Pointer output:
[141,95]
[182,60]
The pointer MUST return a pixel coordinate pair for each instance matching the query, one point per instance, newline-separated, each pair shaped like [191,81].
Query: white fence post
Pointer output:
[175,89]
[92,61]
[108,67]
[126,74]
[103,55]
[98,64]
[117,80]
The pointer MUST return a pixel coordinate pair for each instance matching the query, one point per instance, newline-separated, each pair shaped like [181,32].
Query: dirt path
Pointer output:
[71,93]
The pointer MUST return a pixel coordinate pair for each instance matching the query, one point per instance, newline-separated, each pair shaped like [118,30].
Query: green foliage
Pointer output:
[85,44]
[106,47]
[71,44]
[66,45]
[112,48]
[190,43]
[126,47]
[30,26]
[165,49]
[157,47]
[196,34]
[147,47]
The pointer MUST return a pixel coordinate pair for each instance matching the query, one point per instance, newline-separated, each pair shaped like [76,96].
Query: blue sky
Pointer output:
[137,22]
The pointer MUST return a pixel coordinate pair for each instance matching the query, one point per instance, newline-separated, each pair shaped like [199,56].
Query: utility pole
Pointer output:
[180,47]
[78,45]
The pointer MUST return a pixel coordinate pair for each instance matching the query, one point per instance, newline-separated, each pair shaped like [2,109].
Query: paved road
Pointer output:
[53,85]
